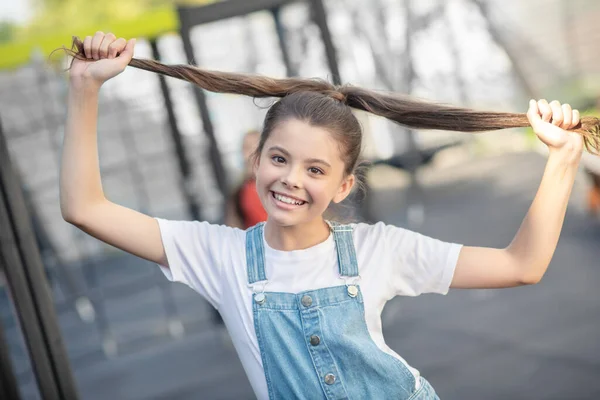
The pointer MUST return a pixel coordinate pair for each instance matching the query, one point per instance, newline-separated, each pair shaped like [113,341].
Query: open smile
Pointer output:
[287,199]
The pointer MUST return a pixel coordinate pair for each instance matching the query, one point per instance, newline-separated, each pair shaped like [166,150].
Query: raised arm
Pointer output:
[82,200]
[527,257]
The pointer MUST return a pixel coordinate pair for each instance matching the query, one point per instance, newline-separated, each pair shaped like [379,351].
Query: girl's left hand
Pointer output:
[551,122]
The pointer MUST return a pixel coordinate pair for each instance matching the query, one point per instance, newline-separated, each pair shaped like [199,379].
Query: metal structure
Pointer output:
[22,265]
[9,388]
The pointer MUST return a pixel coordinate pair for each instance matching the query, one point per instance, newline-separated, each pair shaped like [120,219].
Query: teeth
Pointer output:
[288,200]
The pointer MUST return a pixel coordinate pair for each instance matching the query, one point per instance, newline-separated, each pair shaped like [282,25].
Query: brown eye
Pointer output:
[278,159]
[316,171]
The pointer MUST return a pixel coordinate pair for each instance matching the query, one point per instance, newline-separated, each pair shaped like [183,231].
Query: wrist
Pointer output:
[562,165]
[84,84]
[566,156]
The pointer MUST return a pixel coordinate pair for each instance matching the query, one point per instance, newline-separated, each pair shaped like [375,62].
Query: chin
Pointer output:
[287,220]
[283,219]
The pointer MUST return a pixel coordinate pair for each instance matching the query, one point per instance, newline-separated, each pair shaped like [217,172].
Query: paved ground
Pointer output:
[540,342]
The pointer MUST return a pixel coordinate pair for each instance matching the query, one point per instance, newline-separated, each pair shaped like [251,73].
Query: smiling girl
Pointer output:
[302,297]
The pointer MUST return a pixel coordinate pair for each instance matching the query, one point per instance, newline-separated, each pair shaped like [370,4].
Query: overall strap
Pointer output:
[255,254]
[344,244]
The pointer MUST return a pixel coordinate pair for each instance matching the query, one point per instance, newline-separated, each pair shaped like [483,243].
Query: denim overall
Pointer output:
[315,344]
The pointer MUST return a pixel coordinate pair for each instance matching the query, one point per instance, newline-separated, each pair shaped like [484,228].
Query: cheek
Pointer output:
[264,174]
[322,191]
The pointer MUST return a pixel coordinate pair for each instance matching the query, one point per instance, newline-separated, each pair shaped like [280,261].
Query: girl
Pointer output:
[302,297]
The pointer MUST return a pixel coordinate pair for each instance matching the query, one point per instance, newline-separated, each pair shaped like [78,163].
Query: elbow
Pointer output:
[76,217]
[68,212]
[527,270]
[77,213]
[532,278]
[72,218]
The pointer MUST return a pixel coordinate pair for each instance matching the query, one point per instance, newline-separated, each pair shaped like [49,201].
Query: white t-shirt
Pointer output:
[211,259]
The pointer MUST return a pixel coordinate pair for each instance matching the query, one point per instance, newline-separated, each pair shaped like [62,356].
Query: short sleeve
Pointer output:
[196,253]
[416,263]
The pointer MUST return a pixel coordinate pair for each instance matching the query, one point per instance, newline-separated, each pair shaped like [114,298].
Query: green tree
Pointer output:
[7,31]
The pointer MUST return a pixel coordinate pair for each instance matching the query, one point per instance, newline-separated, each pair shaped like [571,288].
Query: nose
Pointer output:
[292,178]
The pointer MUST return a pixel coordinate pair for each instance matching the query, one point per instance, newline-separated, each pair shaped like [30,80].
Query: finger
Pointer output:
[116,47]
[545,110]
[106,41]
[557,113]
[533,114]
[567,113]
[96,41]
[87,46]
[576,118]
[127,53]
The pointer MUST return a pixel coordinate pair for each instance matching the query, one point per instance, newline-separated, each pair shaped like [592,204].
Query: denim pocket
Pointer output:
[425,391]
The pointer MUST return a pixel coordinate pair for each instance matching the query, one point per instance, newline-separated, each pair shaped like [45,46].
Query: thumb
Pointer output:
[127,53]
[533,115]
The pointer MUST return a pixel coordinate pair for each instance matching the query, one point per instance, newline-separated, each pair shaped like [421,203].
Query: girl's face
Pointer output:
[300,171]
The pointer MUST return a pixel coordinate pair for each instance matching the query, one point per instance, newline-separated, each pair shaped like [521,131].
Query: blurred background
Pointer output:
[80,319]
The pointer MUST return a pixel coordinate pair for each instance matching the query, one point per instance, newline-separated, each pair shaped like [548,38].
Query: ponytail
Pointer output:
[401,109]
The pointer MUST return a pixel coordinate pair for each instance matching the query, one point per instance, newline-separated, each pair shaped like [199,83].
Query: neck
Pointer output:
[296,237]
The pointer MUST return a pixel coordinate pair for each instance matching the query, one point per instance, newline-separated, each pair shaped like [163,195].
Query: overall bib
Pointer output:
[315,344]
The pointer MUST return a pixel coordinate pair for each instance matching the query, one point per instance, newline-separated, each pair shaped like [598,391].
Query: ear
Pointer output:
[345,188]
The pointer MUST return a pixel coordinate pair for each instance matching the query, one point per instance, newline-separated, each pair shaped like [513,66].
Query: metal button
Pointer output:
[352,291]
[315,340]
[330,379]
[260,298]
[306,300]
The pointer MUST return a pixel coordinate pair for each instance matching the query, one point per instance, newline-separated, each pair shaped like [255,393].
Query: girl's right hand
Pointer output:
[111,56]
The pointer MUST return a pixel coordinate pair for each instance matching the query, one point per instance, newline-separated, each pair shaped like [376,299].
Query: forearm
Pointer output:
[535,242]
[80,184]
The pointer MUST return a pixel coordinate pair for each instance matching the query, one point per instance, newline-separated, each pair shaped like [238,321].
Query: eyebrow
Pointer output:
[310,160]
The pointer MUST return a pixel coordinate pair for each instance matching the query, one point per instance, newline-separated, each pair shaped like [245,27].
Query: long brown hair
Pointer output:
[325,104]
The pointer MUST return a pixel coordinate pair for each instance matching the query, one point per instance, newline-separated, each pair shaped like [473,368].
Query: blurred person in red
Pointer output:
[245,208]
[592,168]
